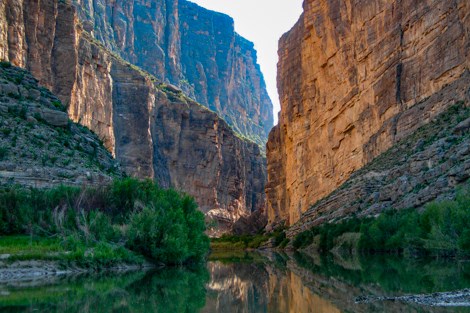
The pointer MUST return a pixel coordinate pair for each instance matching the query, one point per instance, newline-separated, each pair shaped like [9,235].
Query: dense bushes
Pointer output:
[327,234]
[226,242]
[171,233]
[303,239]
[442,229]
[233,242]
[162,225]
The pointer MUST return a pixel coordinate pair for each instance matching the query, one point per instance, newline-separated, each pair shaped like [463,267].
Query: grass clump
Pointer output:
[441,230]
[102,225]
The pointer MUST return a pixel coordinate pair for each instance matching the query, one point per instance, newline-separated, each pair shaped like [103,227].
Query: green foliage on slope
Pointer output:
[442,229]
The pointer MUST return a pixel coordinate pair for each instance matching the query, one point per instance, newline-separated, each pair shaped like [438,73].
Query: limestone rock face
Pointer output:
[354,78]
[152,128]
[190,47]
[428,165]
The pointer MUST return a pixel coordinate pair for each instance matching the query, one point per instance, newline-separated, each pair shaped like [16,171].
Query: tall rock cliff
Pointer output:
[153,129]
[192,48]
[354,78]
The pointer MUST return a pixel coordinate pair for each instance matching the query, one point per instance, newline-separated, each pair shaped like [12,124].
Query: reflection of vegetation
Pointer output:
[394,274]
[442,229]
[237,256]
[183,290]
[171,290]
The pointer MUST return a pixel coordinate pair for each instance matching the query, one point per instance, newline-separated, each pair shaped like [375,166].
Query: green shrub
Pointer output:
[18,79]
[235,242]
[284,243]
[442,229]
[3,153]
[173,234]
[464,241]
[5,64]
[6,131]
[303,239]
[158,235]
[279,236]
[163,225]
[58,105]
[257,241]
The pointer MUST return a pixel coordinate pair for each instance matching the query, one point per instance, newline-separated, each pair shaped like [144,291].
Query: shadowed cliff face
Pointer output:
[153,129]
[192,48]
[354,78]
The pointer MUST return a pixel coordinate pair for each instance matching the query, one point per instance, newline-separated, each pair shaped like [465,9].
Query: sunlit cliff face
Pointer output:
[349,76]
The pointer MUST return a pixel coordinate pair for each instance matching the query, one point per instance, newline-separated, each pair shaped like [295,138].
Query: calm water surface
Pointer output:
[246,283]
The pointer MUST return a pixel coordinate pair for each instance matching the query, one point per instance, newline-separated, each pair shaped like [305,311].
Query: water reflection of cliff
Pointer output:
[304,284]
[259,287]
[244,284]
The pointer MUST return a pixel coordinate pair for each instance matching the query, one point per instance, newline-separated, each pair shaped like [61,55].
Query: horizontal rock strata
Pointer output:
[428,165]
[190,47]
[355,78]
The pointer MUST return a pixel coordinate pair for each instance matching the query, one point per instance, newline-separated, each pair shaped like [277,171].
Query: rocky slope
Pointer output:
[354,79]
[427,165]
[152,128]
[192,48]
[39,145]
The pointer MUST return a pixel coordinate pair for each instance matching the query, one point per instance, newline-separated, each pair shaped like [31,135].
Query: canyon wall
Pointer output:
[192,48]
[354,78]
[152,128]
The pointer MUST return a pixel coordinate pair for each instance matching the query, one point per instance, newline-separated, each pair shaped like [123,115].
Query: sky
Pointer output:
[263,22]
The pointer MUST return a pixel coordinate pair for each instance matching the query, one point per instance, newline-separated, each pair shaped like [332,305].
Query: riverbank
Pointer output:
[27,258]
[292,282]
[18,272]
[440,230]
[125,224]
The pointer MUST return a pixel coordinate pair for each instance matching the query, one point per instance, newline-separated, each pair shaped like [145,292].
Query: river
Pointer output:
[247,282]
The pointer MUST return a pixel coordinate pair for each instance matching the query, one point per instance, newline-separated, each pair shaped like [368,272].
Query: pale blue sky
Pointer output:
[263,22]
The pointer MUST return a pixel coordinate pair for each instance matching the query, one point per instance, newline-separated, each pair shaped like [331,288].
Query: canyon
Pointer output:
[354,79]
[176,95]
[195,49]
[151,127]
